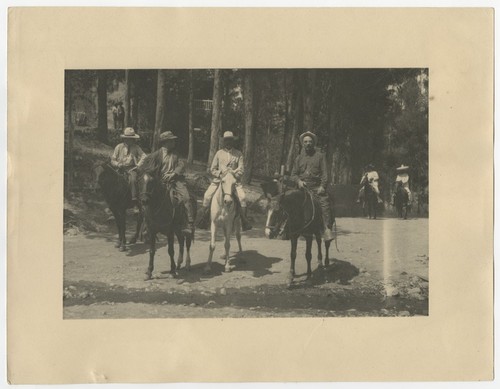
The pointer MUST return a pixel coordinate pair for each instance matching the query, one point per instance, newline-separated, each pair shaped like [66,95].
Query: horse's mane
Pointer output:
[151,165]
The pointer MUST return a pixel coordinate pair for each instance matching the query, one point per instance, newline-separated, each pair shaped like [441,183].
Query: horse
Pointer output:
[115,189]
[295,213]
[401,201]
[370,200]
[163,215]
[223,212]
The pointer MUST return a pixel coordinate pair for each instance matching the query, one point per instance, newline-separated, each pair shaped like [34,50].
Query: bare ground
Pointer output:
[381,269]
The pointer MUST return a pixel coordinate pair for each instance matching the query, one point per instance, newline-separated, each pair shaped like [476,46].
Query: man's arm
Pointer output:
[238,172]
[324,171]
[141,155]
[114,157]
[214,168]
[180,168]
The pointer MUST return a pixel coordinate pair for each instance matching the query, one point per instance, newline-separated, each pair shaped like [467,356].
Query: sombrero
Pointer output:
[308,133]
[129,133]
[402,168]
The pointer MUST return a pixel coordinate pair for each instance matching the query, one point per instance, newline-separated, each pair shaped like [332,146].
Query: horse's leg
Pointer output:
[320,254]
[293,255]
[180,257]
[375,205]
[188,257]
[213,230]
[327,256]
[227,246]
[152,250]
[121,230]
[137,228]
[237,233]
[171,252]
[309,241]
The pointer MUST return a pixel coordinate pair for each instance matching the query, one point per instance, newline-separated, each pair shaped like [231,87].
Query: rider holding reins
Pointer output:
[227,159]
[127,156]
[310,172]
[371,176]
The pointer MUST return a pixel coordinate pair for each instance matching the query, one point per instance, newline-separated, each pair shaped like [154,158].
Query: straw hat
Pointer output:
[402,168]
[228,135]
[129,133]
[310,134]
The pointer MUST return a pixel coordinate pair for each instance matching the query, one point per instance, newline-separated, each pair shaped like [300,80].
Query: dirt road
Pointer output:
[380,270]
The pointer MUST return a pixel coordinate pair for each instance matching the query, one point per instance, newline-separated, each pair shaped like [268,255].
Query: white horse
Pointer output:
[223,213]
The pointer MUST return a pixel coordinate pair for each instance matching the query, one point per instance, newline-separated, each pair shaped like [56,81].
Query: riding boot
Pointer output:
[203,222]
[189,229]
[245,224]
[328,234]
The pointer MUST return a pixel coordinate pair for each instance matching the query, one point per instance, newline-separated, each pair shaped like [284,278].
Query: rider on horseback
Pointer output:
[227,159]
[171,171]
[403,178]
[127,157]
[310,172]
[370,176]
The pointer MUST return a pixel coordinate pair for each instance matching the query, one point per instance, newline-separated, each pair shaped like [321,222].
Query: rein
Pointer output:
[306,193]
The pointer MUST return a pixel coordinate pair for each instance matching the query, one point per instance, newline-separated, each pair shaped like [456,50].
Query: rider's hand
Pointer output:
[301,184]
[321,190]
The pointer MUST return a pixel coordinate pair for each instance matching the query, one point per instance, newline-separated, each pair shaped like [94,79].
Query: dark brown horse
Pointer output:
[401,201]
[162,215]
[294,213]
[115,189]
[369,201]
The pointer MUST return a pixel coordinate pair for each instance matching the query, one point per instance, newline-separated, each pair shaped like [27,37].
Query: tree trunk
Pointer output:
[68,105]
[190,120]
[297,122]
[216,117]
[248,103]
[309,90]
[286,127]
[127,98]
[161,108]
[227,102]
[102,106]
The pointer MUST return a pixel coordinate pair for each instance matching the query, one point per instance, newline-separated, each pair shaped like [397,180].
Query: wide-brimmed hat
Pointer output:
[308,133]
[228,135]
[167,135]
[129,133]
[402,168]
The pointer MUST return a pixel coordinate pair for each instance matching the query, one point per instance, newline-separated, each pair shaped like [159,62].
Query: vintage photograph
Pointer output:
[246,193]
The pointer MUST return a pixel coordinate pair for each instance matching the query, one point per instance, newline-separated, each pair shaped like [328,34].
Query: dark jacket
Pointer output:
[310,168]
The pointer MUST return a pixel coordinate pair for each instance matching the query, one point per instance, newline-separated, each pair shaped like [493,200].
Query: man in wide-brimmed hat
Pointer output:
[371,176]
[171,170]
[309,171]
[226,159]
[404,178]
[127,156]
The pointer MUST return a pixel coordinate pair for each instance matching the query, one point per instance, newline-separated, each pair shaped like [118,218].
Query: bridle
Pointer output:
[307,193]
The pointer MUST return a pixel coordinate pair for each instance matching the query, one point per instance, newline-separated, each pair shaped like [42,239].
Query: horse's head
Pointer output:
[228,183]
[145,187]
[97,170]
[274,192]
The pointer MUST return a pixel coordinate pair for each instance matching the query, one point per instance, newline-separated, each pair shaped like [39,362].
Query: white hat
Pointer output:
[309,134]
[228,134]
[402,167]
[129,133]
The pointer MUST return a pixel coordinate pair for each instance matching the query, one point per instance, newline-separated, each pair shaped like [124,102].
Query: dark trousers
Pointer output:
[181,194]
[324,202]
[132,183]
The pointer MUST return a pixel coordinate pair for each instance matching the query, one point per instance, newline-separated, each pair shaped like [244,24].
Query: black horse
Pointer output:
[115,189]
[369,201]
[163,215]
[294,213]
[401,201]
